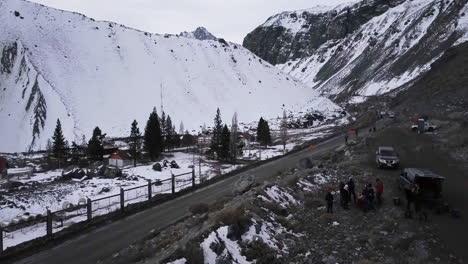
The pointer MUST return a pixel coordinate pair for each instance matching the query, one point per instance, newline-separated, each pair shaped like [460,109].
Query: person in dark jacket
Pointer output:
[368,194]
[329,199]
[379,190]
[346,197]
[409,198]
[352,189]
[342,193]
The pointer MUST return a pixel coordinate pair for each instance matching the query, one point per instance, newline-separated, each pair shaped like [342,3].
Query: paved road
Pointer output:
[105,241]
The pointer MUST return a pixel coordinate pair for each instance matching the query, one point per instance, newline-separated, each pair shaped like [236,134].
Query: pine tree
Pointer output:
[260,129]
[263,132]
[225,139]
[233,140]
[76,153]
[59,144]
[169,133]
[267,134]
[217,130]
[49,146]
[181,128]
[163,129]
[153,137]
[284,130]
[187,139]
[95,147]
[135,142]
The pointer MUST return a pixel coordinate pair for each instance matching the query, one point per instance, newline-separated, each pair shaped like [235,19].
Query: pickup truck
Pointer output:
[423,126]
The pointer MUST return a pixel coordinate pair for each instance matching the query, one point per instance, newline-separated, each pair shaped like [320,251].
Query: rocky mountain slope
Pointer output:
[199,33]
[57,64]
[365,48]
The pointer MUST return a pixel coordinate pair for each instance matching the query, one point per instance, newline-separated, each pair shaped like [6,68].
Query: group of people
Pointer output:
[348,193]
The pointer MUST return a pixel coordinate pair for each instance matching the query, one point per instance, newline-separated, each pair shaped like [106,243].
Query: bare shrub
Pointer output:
[199,208]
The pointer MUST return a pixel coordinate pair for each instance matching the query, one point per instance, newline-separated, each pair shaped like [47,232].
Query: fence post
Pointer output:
[49,223]
[149,190]
[89,209]
[122,200]
[1,240]
[193,177]
[173,183]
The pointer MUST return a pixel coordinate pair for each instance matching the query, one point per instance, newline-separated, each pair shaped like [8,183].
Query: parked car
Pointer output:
[430,184]
[423,126]
[386,157]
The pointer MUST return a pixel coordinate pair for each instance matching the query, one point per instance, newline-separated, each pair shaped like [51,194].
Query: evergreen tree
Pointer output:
[163,129]
[284,130]
[169,133]
[153,137]
[187,139]
[49,146]
[263,132]
[260,129]
[217,130]
[135,142]
[225,139]
[181,128]
[233,140]
[267,134]
[175,138]
[59,144]
[95,147]
[76,153]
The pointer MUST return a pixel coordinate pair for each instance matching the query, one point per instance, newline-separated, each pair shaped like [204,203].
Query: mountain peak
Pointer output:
[200,33]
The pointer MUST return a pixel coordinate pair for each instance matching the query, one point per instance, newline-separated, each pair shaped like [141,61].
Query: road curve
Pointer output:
[107,240]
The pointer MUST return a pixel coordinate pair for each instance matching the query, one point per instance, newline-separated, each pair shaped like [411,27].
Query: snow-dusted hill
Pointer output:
[365,48]
[57,64]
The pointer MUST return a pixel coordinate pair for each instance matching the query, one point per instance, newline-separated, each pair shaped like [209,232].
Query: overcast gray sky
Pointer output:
[229,19]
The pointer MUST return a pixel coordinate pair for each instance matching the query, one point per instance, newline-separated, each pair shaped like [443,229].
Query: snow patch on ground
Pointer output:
[281,197]
[232,248]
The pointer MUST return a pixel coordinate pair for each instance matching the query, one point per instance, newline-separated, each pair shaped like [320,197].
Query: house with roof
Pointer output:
[120,159]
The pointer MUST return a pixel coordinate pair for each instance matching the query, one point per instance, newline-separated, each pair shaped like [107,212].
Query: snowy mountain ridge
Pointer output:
[58,64]
[199,33]
[362,49]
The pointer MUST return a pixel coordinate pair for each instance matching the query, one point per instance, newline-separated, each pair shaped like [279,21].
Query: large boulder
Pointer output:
[73,172]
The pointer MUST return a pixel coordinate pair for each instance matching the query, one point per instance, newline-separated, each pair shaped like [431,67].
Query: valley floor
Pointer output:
[283,218]
[48,191]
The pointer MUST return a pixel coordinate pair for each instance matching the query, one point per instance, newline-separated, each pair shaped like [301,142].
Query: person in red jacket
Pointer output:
[379,190]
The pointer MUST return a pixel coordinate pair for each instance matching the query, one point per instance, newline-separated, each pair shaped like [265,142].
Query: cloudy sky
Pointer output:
[230,19]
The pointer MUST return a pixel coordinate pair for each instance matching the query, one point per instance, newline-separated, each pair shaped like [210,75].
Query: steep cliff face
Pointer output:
[57,64]
[367,48]
[28,104]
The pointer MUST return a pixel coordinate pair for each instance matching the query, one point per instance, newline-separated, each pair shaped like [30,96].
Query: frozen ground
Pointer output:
[45,190]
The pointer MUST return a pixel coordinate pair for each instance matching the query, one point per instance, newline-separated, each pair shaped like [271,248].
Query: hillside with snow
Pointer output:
[56,64]
[360,49]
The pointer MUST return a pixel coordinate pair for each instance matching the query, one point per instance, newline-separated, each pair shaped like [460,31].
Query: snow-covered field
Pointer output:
[46,190]
[42,192]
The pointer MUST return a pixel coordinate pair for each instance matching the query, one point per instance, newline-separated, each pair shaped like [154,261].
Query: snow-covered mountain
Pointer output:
[57,64]
[199,33]
[364,48]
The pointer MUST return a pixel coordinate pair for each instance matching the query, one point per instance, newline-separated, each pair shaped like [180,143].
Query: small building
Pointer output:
[120,159]
[3,168]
